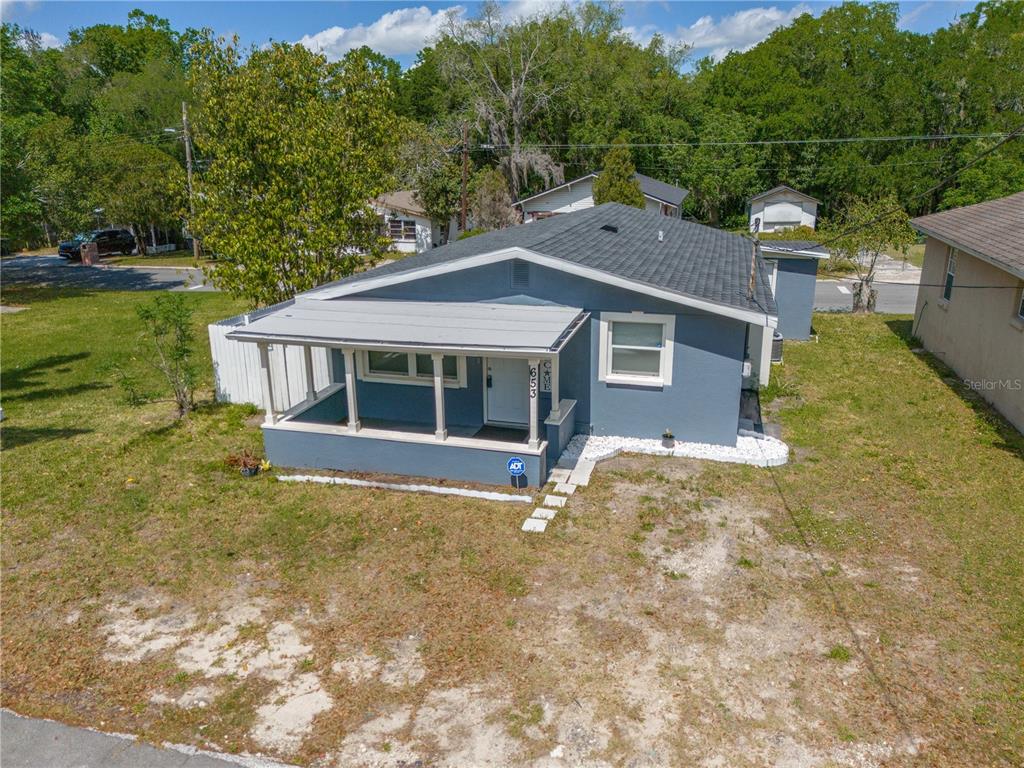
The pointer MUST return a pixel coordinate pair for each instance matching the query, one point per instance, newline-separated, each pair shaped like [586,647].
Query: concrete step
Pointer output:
[554,501]
[568,489]
[534,525]
[540,513]
[580,474]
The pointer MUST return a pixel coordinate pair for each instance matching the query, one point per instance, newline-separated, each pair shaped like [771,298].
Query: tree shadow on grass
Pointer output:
[29,375]
[12,436]
[1010,439]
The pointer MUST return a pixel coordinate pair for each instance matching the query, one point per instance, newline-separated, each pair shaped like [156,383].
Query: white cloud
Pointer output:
[919,9]
[45,39]
[396,33]
[737,32]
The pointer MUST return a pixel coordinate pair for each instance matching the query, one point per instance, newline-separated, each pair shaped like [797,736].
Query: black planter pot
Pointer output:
[250,471]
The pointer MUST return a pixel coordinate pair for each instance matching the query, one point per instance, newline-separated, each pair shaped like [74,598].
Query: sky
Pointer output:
[400,29]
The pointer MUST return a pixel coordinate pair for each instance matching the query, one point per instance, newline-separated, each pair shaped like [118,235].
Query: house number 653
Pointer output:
[534,380]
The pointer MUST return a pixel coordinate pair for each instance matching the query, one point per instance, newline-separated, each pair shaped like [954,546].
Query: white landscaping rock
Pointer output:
[751,448]
[567,488]
[543,514]
[533,525]
[554,501]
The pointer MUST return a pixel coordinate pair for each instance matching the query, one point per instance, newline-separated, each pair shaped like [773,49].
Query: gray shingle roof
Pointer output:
[691,259]
[991,231]
[807,246]
[659,190]
[783,188]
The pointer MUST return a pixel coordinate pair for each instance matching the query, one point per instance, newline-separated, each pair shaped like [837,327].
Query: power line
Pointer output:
[758,142]
[931,190]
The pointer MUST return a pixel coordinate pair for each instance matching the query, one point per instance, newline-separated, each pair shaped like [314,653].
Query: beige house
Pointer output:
[970,306]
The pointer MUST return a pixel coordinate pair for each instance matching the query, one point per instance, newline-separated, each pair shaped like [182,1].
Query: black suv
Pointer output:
[107,241]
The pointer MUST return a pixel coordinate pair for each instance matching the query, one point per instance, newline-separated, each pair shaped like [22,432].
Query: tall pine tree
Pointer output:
[617,181]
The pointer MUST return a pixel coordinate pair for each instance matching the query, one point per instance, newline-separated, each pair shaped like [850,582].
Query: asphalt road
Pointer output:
[26,742]
[837,296]
[58,273]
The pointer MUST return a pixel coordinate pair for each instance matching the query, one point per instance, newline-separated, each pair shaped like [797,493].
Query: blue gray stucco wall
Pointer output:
[794,295]
[701,404]
[316,450]
[463,406]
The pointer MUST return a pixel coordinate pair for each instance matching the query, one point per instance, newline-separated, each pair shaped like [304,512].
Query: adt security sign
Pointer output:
[516,466]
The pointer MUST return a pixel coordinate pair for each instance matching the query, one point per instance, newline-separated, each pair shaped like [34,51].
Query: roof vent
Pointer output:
[520,274]
[610,228]
[661,236]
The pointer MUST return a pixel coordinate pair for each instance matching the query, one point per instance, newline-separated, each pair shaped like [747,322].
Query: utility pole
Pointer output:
[187,136]
[465,176]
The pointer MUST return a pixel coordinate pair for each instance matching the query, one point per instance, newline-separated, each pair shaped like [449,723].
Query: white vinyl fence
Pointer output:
[236,366]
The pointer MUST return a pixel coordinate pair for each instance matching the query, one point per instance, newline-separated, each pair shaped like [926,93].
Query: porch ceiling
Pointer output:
[437,325]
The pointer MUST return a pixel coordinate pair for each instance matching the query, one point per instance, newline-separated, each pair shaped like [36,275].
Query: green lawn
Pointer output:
[168,259]
[904,488]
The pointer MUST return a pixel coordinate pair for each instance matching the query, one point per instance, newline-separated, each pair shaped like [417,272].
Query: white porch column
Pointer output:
[266,380]
[350,390]
[556,411]
[307,358]
[534,397]
[441,431]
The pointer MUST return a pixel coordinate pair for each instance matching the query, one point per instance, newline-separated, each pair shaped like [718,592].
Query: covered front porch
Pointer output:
[434,389]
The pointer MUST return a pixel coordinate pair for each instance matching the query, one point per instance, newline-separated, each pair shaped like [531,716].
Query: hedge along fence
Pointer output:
[236,365]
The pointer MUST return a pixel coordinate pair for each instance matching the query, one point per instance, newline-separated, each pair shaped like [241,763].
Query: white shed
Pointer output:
[782,208]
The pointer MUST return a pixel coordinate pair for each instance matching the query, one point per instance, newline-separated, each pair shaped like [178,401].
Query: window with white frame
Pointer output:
[410,368]
[947,286]
[1020,303]
[402,229]
[636,348]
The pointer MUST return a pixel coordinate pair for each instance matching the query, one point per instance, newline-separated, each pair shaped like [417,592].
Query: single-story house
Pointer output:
[792,271]
[782,207]
[450,363]
[406,224]
[970,304]
[578,194]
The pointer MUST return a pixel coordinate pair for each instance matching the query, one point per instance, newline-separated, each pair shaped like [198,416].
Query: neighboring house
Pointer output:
[407,224]
[578,194]
[608,321]
[782,208]
[970,305]
[792,272]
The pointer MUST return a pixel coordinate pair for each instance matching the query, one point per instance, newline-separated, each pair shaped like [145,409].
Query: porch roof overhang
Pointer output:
[463,327]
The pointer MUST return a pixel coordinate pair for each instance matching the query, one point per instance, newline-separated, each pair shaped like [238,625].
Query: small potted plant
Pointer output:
[246,461]
[668,440]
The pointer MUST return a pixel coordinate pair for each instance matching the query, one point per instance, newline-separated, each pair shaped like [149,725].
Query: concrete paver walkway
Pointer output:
[27,742]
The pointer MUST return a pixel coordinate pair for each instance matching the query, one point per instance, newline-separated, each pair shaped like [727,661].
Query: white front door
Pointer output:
[508,391]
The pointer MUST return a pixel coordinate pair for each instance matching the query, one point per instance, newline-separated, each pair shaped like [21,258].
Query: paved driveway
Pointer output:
[58,273]
[26,742]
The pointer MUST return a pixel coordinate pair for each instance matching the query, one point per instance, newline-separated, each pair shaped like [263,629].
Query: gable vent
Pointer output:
[520,274]
[610,228]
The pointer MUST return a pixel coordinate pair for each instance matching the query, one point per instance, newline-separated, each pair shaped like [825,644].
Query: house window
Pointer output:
[402,229]
[636,348]
[947,288]
[410,368]
[1020,304]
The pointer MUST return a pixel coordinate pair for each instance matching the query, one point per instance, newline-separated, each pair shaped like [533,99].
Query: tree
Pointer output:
[294,150]
[501,67]
[865,229]
[617,182]
[428,167]
[719,175]
[139,185]
[490,204]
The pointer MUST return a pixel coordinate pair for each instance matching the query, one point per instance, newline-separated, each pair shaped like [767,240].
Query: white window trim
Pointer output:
[364,374]
[668,331]
[952,262]
[402,237]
